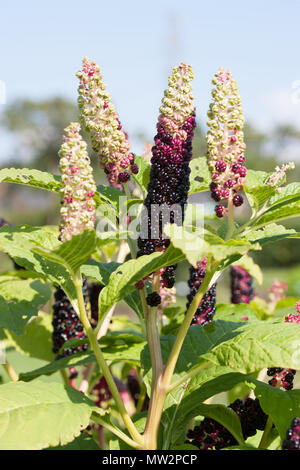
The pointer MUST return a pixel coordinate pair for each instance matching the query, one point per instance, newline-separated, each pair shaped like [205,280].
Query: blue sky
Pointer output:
[136,43]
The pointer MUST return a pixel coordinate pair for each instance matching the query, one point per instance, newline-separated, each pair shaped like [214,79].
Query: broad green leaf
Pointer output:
[111,195]
[281,405]
[19,243]
[291,192]
[200,175]
[19,301]
[99,271]
[82,442]
[122,280]
[235,312]
[258,193]
[259,345]
[36,339]
[35,178]
[73,253]
[143,176]
[39,415]
[194,244]
[102,271]
[112,353]
[270,233]
[283,210]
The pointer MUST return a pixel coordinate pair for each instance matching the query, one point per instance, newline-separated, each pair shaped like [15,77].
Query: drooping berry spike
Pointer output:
[225,142]
[99,118]
[78,190]
[171,154]
[211,435]
[292,441]
[77,214]
[66,324]
[241,285]
[207,307]
[284,377]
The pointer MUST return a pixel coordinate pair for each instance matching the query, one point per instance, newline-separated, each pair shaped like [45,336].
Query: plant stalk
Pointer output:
[11,372]
[158,395]
[136,436]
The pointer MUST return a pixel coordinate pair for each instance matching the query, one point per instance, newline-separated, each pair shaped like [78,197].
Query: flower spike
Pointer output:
[99,118]
[77,212]
[171,154]
[225,142]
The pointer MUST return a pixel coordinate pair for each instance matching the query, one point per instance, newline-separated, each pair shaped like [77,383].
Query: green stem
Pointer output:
[102,363]
[159,394]
[65,377]
[264,438]
[11,372]
[170,367]
[230,229]
[188,376]
[115,431]
[142,397]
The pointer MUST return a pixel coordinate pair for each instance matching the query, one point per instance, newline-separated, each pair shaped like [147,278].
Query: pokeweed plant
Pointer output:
[147,380]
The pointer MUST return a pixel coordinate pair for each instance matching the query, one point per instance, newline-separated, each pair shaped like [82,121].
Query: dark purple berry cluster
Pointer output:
[169,176]
[211,435]
[66,324]
[292,441]
[241,285]
[153,299]
[168,186]
[207,307]
[284,377]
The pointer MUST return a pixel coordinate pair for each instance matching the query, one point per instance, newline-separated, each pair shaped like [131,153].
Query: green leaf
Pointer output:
[283,210]
[143,176]
[113,353]
[34,178]
[271,233]
[19,243]
[102,271]
[38,415]
[49,182]
[111,195]
[281,405]
[36,339]
[195,245]
[258,193]
[19,301]
[73,253]
[200,175]
[291,192]
[82,442]
[235,312]
[99,271]
[259,345]
[122,280]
